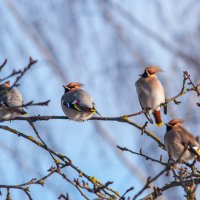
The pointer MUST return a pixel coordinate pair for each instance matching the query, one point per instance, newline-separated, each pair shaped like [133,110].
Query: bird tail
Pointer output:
[95,111]
[24,113]
[196,151]
[157,116]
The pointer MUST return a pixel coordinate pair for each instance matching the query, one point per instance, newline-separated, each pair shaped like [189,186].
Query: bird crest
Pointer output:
[6,84]
[153,70]
[73,85]
[175,121]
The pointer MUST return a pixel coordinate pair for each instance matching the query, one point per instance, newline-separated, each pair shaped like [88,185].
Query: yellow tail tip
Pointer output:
[197,150]
[25,114]
[159,124]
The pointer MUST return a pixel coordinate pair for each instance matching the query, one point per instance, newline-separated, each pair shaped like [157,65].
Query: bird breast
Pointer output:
[150,93]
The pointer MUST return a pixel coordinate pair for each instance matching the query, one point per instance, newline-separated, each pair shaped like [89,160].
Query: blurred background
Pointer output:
[105,45]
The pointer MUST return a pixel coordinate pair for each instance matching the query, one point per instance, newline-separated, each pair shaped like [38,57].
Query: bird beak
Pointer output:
[65,87]
[168,124]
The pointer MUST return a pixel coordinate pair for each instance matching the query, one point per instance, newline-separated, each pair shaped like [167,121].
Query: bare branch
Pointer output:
[13,73]
[36,132]
[31,103]
[141,154]
[127,191]
[150,180]
[184,90]
[31,63]
[3,64]
[123,119]
[65,159]
[153,195]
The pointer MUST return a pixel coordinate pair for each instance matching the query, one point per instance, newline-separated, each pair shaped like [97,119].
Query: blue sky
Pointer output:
[74,41]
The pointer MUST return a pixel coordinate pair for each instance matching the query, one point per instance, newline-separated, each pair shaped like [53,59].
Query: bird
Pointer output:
[178,140]
[151,94]
[11,102]
[76,103]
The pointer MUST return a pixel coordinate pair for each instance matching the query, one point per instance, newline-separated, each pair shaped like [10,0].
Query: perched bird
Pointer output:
[177,139]
[151,93]
[10,102]
[76,103]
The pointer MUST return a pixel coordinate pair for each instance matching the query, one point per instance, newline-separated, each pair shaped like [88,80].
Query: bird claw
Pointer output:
[147,109]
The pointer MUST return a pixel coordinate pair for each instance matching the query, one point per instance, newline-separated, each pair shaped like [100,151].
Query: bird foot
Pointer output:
[146,109]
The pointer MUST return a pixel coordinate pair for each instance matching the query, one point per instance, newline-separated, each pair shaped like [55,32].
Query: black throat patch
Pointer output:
[168,127]
[66,90]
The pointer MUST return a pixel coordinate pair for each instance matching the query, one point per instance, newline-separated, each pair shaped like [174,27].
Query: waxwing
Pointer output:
[10,102]
[151,93]
[178,140]
[76,103]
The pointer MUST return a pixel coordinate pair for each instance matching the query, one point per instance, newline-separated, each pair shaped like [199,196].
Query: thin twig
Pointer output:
[75,185]
[171,185]
[64,158]
[31,63]
[127,191]
[3,64]
[150,180]
[36,132]
[29,104]
[142,155]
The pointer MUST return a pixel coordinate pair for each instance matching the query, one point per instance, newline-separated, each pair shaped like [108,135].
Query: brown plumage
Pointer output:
[151,93]
[153,70]
[177,138]
[175,121]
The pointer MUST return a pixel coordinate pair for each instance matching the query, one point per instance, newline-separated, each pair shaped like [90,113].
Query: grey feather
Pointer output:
[11,102]
[175,141]
[84,99]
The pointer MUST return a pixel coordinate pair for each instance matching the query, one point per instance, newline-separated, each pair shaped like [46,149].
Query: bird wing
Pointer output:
[78,107]
[13,101]
[141,91]
[81,101]
[147,115]
[144,92]
[13,108]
